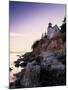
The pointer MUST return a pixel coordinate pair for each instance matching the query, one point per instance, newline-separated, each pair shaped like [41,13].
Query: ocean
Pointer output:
[14,57]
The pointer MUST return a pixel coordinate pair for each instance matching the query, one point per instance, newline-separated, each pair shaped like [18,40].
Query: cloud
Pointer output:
[23,41]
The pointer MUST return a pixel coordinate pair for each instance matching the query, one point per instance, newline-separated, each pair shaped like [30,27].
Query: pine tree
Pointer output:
[63,26]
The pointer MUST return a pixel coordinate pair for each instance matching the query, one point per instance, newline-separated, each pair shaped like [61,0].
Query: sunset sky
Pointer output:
[27,22]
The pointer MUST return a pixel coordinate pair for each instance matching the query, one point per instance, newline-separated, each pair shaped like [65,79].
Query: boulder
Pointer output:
[31,76]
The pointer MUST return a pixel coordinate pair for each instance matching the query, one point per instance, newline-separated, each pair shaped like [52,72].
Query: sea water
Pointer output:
[14,57]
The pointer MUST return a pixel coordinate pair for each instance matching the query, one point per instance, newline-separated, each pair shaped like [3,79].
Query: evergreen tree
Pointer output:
[63,26]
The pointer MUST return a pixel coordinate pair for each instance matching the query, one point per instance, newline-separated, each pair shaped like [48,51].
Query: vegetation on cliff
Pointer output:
[45,65]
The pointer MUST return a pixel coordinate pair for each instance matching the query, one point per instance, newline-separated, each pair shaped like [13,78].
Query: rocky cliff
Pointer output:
[44,66]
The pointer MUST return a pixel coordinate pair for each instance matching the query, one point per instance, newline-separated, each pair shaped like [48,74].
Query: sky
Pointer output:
[27,22]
